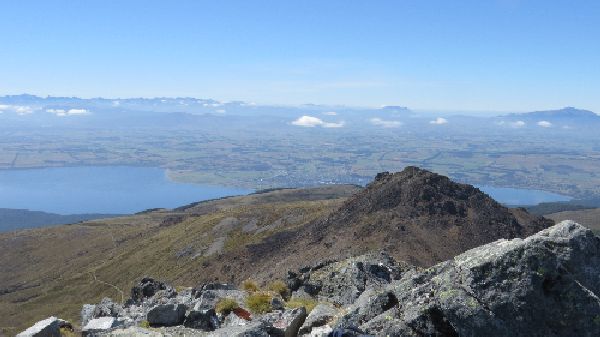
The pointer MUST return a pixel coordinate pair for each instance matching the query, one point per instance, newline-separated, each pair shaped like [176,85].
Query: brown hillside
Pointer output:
[418,216]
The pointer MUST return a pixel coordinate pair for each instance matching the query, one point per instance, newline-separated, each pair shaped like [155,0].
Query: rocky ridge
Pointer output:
[544,285]
[415,215]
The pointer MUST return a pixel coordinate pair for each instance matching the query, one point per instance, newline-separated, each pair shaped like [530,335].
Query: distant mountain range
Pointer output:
[564,113]
[13,219]
[29,111]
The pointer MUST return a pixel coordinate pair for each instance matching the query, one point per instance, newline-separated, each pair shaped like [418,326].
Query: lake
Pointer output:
[100,189]
[129,189]
[522,197]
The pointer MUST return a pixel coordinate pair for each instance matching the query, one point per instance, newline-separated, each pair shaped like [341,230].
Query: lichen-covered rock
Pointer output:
[209,298]
[167,315]
[49,327]
[100,324]
[107,307]
[321,315]
[131,332]
[286,323]
[202,320]
[342,282]
[544,285]
[252,329]
[149,287]
[212,286]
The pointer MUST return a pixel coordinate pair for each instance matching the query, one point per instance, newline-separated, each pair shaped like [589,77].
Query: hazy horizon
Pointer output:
[503,55]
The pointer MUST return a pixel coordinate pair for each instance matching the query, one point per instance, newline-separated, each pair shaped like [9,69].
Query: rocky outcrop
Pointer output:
[149,287]
[320,316]
[342,282]
[101,324]
[166,315]
[49,327]
[285,323]
[545,285]
[422,218]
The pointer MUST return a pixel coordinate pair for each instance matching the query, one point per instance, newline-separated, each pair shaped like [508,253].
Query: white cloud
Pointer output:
[221,111]
[439,121]
[518,124]
[71,112]
[383,123]
[77,112]
[330,113]
[544,124]
[311,122]
[307,121]
[19,109]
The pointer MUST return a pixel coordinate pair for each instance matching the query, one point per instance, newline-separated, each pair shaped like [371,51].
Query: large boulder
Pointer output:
[321,315]
[49,327]
[342,282]
[545,285]
[202,320]
[166,315]
[285,323]
[252,329]
[133,331]
[212,286]
[149,287]
[100,324]
[209,298]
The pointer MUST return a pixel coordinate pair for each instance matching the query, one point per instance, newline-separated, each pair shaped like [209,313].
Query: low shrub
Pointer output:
[226,305]
[307,303]
[259,303]
[280,287]
[250,286]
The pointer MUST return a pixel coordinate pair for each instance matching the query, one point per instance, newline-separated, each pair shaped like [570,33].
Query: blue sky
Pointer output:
[498,55]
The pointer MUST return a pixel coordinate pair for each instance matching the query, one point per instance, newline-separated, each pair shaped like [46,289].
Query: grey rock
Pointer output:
[286,323]
[130,332]
[277,303]
[197,292]
[545,285]
[202,320]
[87,313]
[342,282]
[252,329]
[209,298]
[107,307]
[167,315]
[321,315]
[99,325]
[322,331]
[49,327]
[149,287]
[233,320]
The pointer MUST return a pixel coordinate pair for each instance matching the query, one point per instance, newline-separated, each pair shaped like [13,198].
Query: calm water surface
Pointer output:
[126,189]
[522,197]
[102,189]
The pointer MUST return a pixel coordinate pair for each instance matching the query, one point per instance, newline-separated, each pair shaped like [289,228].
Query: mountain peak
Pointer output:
[422,217]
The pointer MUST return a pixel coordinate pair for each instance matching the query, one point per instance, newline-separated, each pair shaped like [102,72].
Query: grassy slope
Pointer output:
[54,270]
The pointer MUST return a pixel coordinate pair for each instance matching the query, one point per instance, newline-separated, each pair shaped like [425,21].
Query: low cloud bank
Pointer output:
[311,122]
[385,124]
[70,112]
[439,121]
